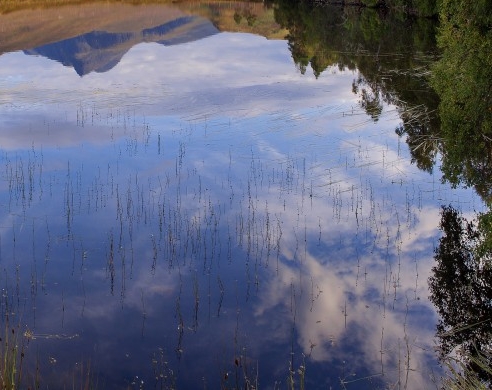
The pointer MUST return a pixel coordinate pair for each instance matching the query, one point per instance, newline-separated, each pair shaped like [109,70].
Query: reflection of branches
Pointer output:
[461,290]
[370,97]
[372,104]
[420,127]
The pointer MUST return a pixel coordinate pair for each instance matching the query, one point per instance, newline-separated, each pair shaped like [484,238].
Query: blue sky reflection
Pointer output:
[207,199]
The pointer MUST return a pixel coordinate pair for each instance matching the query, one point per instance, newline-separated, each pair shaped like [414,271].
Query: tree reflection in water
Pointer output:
[461,289]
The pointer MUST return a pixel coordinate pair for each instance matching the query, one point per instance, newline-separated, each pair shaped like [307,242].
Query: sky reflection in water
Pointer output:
[206,201]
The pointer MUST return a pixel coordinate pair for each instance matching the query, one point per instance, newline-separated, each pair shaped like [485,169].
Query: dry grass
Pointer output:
[461,377]
[15,5]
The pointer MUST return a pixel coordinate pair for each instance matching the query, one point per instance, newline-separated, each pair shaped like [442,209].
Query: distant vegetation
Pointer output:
[425,8]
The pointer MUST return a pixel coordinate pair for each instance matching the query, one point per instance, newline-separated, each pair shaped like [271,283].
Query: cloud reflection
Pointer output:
[236,174]
[255,77]
[353,296]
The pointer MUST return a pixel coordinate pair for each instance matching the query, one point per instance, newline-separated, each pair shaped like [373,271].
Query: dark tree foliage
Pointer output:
[463,80]
[422,8]
[461,287]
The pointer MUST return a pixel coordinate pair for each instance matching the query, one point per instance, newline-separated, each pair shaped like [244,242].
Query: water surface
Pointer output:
[192,210]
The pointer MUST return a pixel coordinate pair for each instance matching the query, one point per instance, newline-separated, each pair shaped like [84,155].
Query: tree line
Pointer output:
[425,8]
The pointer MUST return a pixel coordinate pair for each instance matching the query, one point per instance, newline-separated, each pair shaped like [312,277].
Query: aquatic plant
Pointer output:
[13,344]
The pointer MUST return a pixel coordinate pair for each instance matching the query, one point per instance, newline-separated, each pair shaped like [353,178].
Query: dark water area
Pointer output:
[187,204]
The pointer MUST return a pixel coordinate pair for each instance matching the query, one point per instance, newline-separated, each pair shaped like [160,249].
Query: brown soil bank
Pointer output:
[32,27]
[29,28]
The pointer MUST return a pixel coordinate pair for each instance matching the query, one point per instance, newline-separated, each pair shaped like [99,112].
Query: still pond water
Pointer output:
[182,206]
